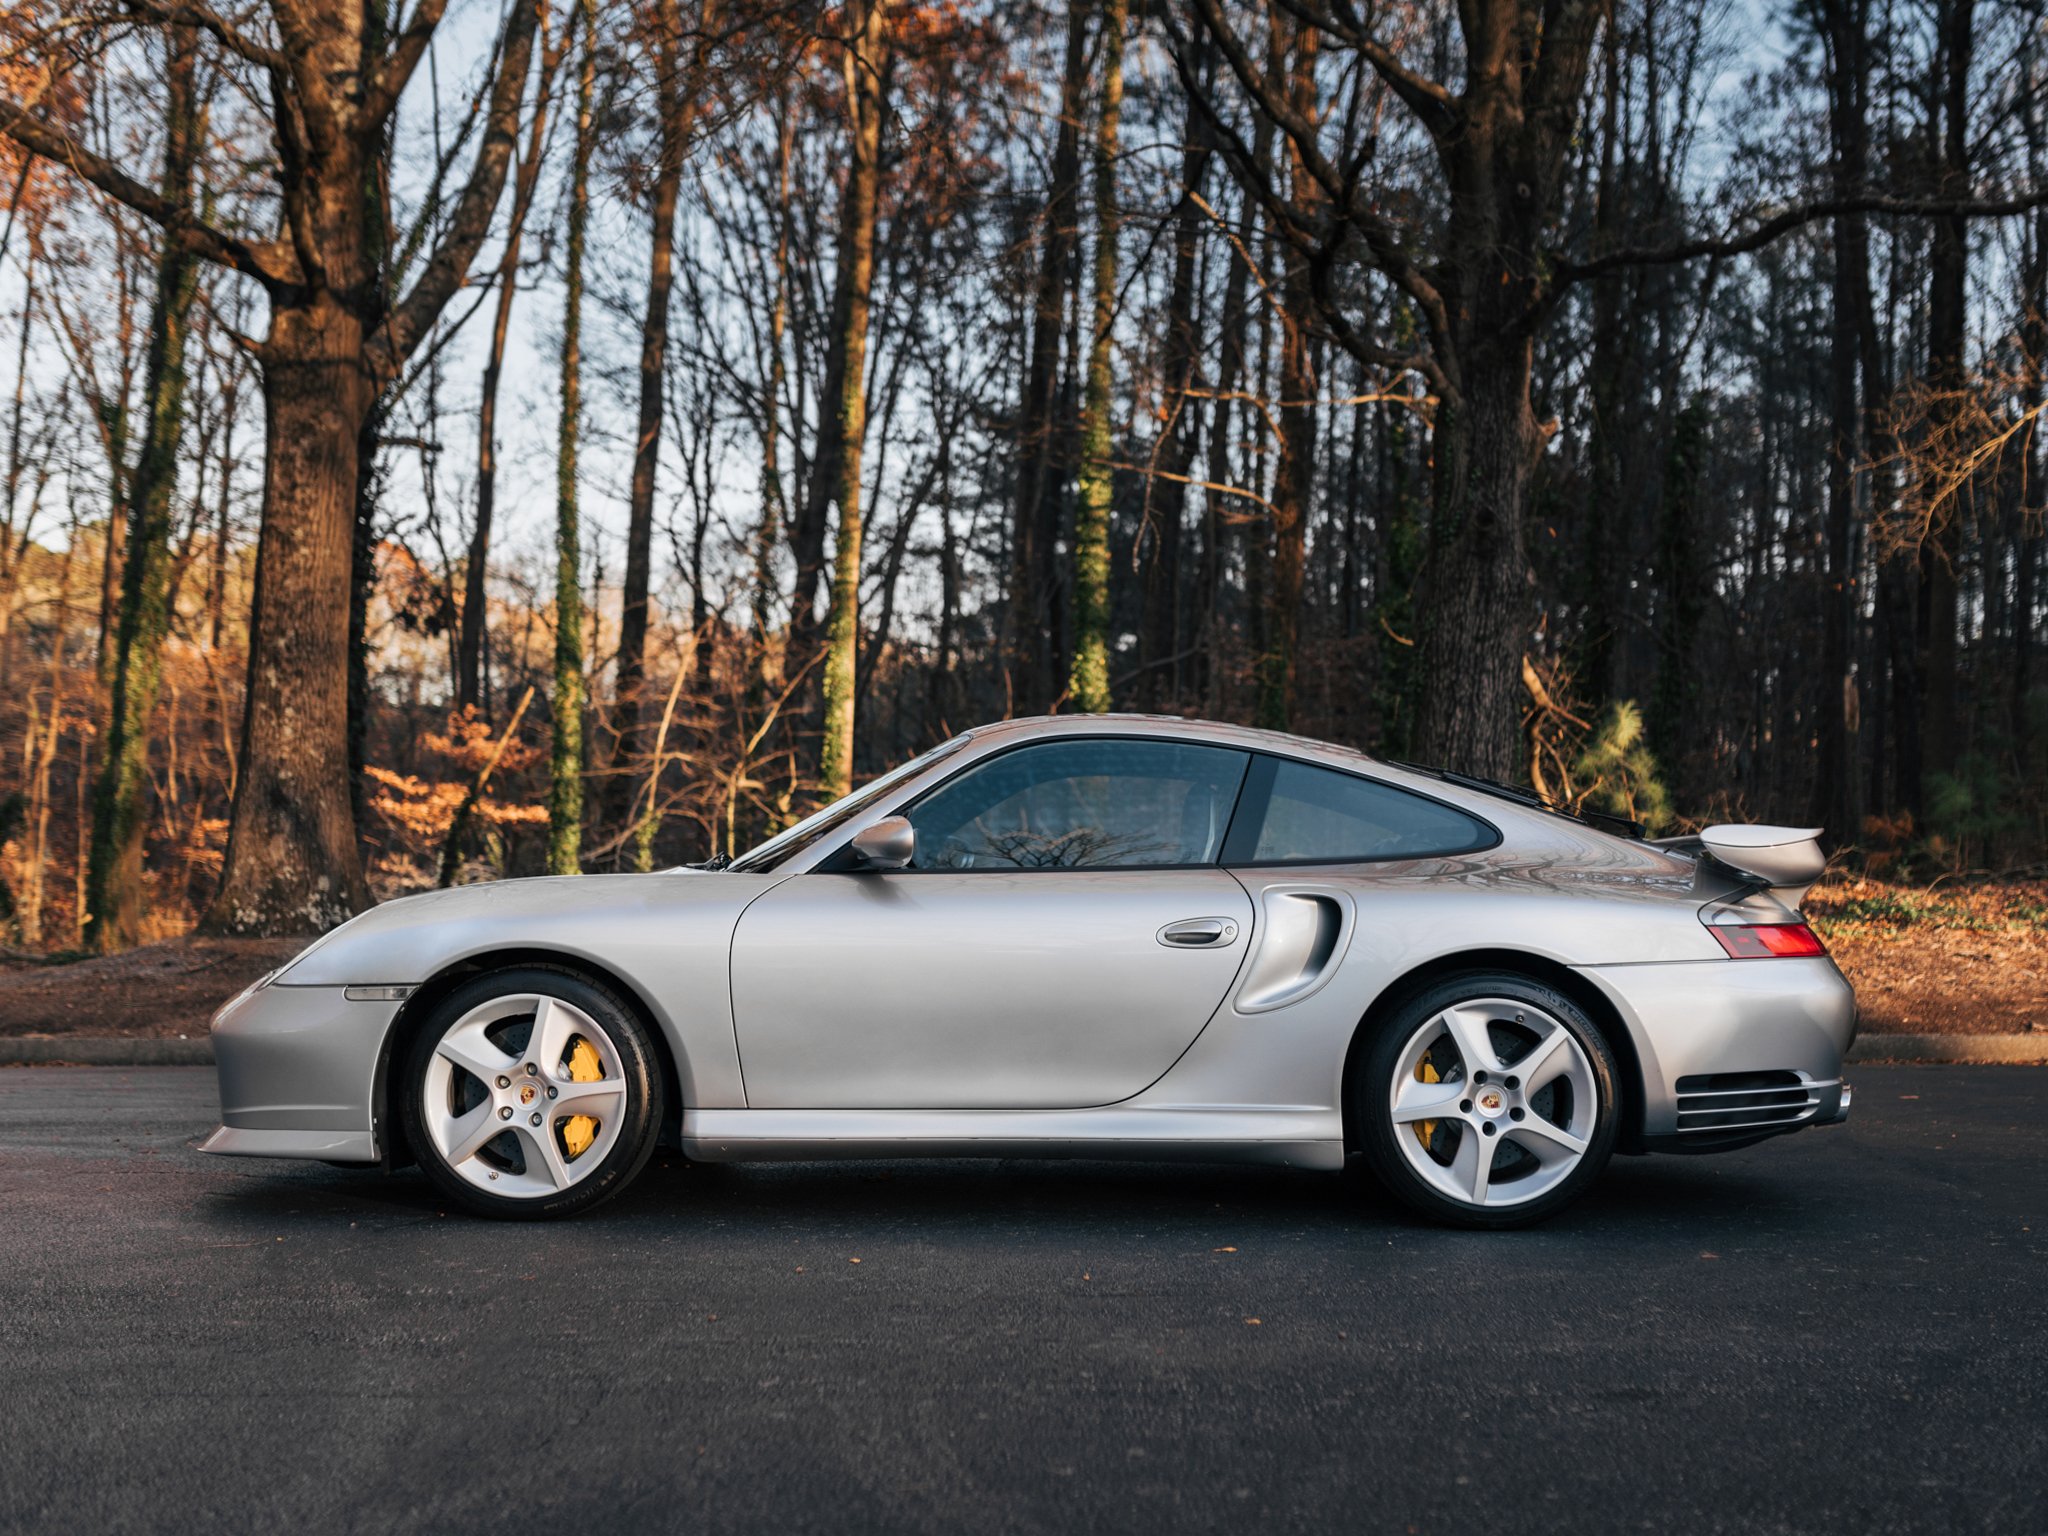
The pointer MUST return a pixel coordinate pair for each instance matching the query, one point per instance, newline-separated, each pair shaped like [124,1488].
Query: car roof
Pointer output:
[1217,731]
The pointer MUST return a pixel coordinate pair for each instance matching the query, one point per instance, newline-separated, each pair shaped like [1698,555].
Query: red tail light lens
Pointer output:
[1767,941]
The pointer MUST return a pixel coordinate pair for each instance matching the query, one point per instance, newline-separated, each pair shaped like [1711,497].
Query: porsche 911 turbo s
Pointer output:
[1109,936]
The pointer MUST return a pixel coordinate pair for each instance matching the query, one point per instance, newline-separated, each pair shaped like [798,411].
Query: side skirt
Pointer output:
[328,1146]
[1293,1137]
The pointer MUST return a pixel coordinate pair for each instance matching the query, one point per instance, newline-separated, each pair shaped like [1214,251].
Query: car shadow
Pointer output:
[971,1199]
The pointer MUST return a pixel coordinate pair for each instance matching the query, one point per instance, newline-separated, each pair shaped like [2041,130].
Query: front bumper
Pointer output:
[297,1068]
[1733,1051]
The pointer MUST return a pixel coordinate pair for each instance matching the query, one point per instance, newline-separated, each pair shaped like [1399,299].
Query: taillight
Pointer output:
[1767,941]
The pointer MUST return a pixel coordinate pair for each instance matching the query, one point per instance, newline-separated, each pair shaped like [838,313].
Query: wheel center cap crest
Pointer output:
[1491,1101]
[528,1093]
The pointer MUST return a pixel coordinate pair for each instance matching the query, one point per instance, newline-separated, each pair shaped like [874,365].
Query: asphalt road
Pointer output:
[1846,1330]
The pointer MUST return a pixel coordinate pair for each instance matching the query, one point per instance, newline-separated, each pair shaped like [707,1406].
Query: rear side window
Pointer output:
[1297,814]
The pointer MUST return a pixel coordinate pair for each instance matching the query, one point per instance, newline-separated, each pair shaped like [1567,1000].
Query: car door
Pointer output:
[1061,936]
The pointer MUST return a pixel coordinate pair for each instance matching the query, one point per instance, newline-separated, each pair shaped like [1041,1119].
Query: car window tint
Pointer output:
[1101,804]
[1315,814]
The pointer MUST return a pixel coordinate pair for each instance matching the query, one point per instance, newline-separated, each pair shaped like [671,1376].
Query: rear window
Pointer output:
[1297,814]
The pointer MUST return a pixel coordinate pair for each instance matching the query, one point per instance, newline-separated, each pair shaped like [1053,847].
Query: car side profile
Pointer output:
[1092,936]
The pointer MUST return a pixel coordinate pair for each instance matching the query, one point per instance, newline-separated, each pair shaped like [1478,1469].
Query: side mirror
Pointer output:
[890,843]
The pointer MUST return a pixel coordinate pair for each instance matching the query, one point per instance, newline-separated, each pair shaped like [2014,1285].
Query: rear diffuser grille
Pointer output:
[1741,1101]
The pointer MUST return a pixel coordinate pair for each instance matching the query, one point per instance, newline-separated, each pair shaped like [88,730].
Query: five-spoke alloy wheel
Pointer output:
[1487,1100]
[532,1093]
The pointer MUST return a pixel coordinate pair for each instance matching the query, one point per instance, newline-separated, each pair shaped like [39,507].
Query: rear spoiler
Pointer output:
[1786,859]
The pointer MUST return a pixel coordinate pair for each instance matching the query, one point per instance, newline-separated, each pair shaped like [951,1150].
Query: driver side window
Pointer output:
[1101,803]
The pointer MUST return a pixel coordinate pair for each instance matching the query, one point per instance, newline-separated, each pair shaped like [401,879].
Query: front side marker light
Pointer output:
[378,994]
[1767,941]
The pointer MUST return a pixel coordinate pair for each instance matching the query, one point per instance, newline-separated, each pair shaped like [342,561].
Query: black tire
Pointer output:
[1372,1089]
[640,1123]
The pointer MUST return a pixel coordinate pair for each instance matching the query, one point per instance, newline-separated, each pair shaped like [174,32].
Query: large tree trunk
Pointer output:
[1088,680]
[1476,604]
[293,864]
[292,861]
[1499,139]
[846,428]
[114,878]
[1027,644]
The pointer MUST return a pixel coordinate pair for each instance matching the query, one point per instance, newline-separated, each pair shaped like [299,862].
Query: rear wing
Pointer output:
[1786,859]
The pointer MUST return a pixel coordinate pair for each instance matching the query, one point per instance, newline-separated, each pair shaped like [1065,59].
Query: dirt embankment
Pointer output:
[160,991]
[1946,959]
[1952,958]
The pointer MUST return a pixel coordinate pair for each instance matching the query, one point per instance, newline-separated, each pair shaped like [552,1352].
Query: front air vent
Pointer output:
[1743,1101]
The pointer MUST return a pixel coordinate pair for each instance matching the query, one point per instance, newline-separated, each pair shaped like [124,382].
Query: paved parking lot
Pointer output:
[1846,1330]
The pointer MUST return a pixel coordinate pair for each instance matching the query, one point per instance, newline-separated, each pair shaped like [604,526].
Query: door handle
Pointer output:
[1199,933]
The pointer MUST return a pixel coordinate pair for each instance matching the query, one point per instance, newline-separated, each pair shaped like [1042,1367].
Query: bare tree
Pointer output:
[336,336]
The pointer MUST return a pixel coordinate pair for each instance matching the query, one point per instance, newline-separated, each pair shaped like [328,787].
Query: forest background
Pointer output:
[513,436]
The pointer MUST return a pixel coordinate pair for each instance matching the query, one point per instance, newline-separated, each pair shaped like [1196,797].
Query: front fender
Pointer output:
[668,937]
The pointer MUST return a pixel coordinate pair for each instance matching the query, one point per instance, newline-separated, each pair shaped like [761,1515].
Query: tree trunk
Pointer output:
[565,779]
[1834,799]
[335,339]
[1475,611]
[1088,679]
[1947,321]
[114,888]
[469,645]
[1167,493]
[292,861]
[1026,644]
[866,59]
[2029,532]
[1213,562]
[1594,584]
[677,106]
[1294,480]
[1685,591]
[774,501]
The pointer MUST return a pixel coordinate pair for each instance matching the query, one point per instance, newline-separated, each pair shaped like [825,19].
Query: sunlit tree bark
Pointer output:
[866,61]
[1088,680]
[565,779]
[114,894]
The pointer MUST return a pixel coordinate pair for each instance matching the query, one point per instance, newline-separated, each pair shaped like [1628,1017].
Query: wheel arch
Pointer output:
[1596,1005]
[420,1006]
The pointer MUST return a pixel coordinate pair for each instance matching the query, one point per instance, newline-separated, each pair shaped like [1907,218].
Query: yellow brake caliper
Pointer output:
[579,1131]
[1424,1073]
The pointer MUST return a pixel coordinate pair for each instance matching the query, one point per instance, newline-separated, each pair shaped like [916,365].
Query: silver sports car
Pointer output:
[1079,937]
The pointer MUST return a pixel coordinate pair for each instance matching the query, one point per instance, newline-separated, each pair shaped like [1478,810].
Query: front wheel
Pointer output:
[532,1093]
[1487,1100]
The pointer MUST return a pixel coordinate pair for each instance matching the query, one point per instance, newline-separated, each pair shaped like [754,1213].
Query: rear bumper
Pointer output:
[297,1068]
[1733,1051]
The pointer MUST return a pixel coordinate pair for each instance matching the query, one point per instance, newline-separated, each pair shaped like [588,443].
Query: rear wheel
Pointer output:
[1487,1100]
[532,1093]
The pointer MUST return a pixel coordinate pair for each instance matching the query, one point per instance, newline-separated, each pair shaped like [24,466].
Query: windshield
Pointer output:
[787,844]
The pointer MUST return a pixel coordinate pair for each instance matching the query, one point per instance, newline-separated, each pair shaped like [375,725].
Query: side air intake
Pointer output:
[1744,1101]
